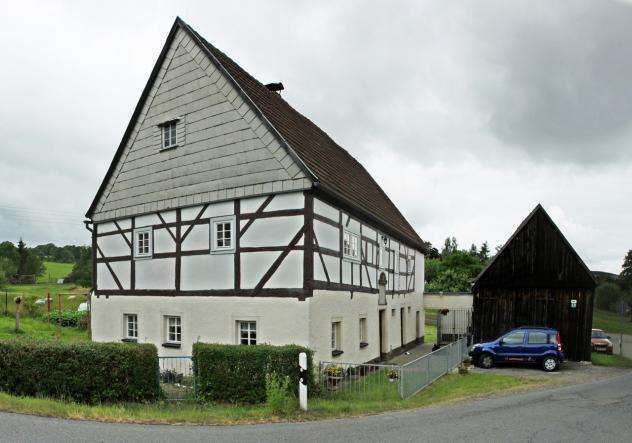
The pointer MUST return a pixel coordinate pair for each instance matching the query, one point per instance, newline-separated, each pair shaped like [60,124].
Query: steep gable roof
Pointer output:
[526,258]
[331,168]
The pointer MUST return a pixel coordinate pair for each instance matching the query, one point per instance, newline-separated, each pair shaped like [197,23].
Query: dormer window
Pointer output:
[169,135]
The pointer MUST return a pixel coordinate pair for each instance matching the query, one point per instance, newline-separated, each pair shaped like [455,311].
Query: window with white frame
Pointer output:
[223,234]
[143,242]
[336,343]
[363,332]
[247,332]
[169,135]
[351,245]
[131,326]
[173,329]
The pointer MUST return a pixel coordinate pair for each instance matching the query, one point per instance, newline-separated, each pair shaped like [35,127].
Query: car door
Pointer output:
[536,346]
[511,347]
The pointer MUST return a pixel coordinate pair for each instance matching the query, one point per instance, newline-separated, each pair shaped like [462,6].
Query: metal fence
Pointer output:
[176,379]
[419,373]
[349,381]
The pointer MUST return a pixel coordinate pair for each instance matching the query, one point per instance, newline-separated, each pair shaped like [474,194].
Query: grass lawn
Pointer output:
[55,271]
[35,328]
[611,322]
[617,361]
[430,334]
[448,389]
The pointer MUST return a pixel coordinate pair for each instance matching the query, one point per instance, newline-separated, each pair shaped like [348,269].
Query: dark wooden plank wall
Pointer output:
[497,310]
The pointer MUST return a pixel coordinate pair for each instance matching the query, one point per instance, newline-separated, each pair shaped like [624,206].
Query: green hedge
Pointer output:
[77,319]
[83,372]
[236,373]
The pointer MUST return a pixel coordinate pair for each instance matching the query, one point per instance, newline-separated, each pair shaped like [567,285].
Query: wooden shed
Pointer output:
[536,279]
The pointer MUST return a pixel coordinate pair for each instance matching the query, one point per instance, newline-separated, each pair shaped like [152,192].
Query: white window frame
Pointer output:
[336,335]
[351,254]
[222,249]
[169,129]
[177,332]
[126,325]
[363,330]
[150,238]
[250,341]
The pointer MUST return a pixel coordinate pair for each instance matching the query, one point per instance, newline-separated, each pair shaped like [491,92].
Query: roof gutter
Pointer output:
[388,227]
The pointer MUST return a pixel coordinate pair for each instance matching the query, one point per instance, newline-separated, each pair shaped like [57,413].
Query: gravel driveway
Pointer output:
[571,372]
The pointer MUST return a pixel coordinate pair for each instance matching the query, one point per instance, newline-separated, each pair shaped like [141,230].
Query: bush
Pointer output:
[70,318]
[278,395]
[236,373]
[82,372]
[608,296]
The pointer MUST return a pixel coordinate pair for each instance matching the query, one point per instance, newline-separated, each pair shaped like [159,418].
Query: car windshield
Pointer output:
[598,334]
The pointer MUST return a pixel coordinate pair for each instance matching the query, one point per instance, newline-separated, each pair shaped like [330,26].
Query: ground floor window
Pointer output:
[174,329]
[336,342]
[247,332]
[363,332]
[131,326]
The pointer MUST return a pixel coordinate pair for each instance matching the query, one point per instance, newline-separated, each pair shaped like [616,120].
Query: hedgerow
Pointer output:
[82,372]
[237,373]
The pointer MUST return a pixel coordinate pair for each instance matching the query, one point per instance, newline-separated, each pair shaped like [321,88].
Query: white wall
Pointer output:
[459,300]
[208,319]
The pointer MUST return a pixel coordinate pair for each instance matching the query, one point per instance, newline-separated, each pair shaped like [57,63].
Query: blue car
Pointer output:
[531,345]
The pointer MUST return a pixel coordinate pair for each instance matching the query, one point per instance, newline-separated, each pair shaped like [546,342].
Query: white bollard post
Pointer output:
[302,385]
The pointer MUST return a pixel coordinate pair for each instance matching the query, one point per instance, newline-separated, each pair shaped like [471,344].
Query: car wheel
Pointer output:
[485,361]
[549,364]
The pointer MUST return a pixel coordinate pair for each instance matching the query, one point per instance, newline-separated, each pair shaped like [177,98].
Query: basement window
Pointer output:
[143,245]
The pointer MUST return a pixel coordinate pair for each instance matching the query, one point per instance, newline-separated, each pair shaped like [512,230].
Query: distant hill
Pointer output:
[601,275]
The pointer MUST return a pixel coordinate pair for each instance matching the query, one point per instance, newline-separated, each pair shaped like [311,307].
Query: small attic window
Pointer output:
[169,137]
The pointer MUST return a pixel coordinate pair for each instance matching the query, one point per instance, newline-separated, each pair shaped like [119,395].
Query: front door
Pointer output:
[402,326]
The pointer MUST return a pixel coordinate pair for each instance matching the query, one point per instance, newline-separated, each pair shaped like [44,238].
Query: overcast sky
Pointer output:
[468,113]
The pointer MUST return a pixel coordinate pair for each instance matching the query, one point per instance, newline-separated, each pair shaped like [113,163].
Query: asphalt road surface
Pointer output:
[595,412]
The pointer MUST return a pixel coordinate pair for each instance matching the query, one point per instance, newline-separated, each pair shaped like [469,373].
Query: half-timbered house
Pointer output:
[536,279]
[226,216]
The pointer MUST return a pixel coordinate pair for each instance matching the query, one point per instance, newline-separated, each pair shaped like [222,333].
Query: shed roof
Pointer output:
[537,254]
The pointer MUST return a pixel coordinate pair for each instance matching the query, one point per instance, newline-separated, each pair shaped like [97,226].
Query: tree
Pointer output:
[473,250]
[608,294]
[626,273]
[82,271]
[7,269]
[450,246]
[483,253]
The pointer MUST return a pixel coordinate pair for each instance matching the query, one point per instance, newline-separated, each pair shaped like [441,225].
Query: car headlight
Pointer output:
[473,347]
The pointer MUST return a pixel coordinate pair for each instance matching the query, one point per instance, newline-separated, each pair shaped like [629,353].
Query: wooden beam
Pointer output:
[257,213]
[164,223]
[120,231]
[308,243]
[190,228]
[116,280]
[322,260]
[237,254]
[275,265]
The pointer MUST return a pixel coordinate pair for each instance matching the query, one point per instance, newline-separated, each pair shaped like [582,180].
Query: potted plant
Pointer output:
[334,376]
[392,375]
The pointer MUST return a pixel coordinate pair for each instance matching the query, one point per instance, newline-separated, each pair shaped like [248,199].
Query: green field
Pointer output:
[617,361]
[55,271]
[38,329]
[611,322]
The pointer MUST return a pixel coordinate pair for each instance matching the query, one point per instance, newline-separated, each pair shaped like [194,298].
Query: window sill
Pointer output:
[336,353]
[363,344]
[129,340]
[172,345]
[143,257]
[222,251]
[169,148]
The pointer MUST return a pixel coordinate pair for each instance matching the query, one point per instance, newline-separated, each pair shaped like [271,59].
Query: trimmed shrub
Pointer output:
[82,372]
[77,319]
[237,373]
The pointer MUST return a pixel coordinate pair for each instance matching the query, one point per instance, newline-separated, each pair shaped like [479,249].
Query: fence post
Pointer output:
[302,385]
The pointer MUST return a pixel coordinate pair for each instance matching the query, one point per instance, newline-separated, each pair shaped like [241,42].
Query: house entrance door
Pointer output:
[383,349]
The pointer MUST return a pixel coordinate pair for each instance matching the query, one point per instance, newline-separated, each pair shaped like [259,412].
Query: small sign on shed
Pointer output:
[573,303]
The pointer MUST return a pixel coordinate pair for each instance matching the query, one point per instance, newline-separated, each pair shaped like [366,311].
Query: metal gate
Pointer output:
[452,324]
[176,380]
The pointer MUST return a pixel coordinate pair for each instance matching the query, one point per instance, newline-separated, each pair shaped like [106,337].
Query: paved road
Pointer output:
[594,412]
